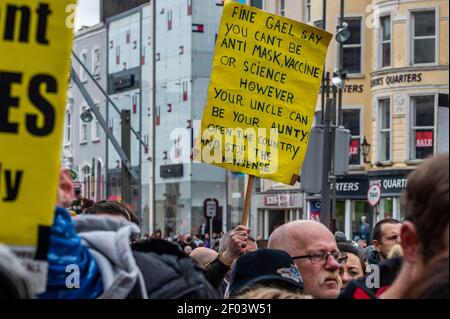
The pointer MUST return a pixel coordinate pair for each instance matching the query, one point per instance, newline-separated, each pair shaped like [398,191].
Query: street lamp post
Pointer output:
[329,120]
[325,209]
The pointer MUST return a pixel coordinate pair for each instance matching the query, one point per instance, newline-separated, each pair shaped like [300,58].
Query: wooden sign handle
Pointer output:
[247,200]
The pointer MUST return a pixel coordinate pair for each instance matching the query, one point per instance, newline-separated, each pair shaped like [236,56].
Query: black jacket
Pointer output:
[169,273]
[358,289]
[374,258]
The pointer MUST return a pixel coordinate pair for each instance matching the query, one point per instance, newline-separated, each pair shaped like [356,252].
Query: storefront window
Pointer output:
[359,209]
[386,208]
[340,216]
[276,219]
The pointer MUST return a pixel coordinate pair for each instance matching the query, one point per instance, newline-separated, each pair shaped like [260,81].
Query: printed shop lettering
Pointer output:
[396,79]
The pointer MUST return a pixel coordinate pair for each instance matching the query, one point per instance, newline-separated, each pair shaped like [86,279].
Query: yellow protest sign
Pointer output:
[262,94]
[35,43]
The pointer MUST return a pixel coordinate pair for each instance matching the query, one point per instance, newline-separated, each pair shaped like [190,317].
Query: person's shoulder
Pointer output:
[357,290]
[158,246]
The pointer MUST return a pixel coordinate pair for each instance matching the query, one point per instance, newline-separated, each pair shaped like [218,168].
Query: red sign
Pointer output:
[424,139]
[354,147]
[279,200]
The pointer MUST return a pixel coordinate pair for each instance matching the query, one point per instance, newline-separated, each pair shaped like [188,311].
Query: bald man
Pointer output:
[313,248]
[203,255]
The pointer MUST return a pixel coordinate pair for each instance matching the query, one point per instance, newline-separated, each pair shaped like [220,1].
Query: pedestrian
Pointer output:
[340,237]
[265,268]
[386,234]
[425,203]
[197,241]
[157,234]
[423,235]
[203,256]
[354,266]
[186,240]
[114,209]
[364,229]
[313,248]
[434,282]
[207,241]
[271,293]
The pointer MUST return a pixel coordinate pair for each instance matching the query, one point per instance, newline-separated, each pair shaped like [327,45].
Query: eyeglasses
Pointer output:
[320,256]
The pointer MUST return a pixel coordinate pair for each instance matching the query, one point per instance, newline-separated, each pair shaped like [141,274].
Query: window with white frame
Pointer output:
[422,126]
[307,15]
[83,129]
[384,130]
[96,62]
[68,125]
[282,8]
[96,127]
[352,121]
[352,48]
[424,37]
[84,59]
[68,134]
[86,171]
[385,41]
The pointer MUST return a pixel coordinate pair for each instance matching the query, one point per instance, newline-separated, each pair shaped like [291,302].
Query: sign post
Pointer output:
[374,194]
[210,208]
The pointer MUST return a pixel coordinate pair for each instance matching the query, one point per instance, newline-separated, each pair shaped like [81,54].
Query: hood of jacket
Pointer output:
[72,270]
[108,240]
[15,281]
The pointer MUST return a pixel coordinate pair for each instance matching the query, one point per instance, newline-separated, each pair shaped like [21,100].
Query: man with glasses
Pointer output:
[313,248]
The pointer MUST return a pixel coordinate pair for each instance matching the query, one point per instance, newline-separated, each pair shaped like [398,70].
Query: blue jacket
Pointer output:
[65,249]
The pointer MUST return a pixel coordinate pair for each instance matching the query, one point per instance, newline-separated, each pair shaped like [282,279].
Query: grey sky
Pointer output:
[87,13]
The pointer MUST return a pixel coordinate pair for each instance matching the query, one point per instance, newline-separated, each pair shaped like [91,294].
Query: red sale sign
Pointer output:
[424,139]
[354,147]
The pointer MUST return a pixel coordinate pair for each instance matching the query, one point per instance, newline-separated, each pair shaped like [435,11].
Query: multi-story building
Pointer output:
[185,36]
[84,144]
[185,41]
[395,98]
[129,51]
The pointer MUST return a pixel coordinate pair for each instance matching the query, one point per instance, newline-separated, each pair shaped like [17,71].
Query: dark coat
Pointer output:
[169,273]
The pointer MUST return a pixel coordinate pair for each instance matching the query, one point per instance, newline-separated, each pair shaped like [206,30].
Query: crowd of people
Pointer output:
[303,258]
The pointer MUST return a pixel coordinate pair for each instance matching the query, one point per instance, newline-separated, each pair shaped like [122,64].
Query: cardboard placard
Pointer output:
[262,94]
[35,43]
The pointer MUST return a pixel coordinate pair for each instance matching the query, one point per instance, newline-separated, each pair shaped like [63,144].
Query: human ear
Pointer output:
[410,242]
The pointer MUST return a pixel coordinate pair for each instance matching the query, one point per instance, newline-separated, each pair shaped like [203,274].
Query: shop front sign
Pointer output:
[279,200]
